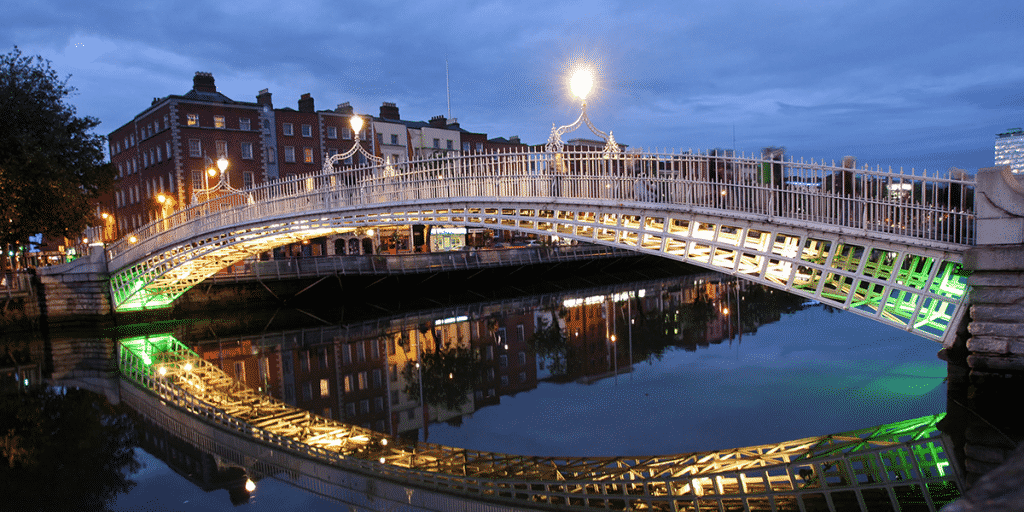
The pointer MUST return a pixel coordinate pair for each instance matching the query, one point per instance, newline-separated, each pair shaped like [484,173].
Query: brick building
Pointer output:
[166,155]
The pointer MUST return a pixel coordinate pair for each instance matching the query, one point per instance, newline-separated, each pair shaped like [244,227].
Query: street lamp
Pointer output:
[356,122]
[581,83]
[212,169]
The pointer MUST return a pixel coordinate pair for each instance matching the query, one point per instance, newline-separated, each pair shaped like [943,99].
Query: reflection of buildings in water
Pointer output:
[356,374]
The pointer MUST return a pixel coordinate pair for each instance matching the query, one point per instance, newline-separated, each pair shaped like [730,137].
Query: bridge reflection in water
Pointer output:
[888,467]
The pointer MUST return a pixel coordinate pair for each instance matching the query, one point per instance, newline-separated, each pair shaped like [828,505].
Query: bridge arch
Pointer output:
[877,251]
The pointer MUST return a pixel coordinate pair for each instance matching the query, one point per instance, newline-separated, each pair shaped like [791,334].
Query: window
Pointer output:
[222,149]
[244,123]
[286,128]
[197,180]
[393,374]
[378,404]
[247,150]
[247,179]
[195,148]
[394,139]
[377,381]
[325,390]
[522,358]
[167,121]
[411,414]
[218,121]
[437,143]
[193,119]
[332,132]
[307,130]
[362,380]
[449,145]
[159,157]
[289,154]
[465,147]
[394,397]
[307,155]
[307,391]
[350,410]
[503,361]
[167,146]
[346,134]
[480,147]
[271,156]
[348,383]
[504,380]
[240,370]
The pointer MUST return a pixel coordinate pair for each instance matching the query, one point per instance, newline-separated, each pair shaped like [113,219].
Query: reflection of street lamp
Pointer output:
[580,84]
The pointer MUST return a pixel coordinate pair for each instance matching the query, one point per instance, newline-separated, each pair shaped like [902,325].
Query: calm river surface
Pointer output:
[695,382]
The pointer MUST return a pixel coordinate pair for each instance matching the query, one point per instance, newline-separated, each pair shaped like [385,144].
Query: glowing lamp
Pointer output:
[581,83]
[356,123]
[250,486]
[222,164]
[160,198]
[211,172]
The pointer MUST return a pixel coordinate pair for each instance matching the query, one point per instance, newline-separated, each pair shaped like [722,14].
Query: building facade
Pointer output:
[166,156]
[1010,150]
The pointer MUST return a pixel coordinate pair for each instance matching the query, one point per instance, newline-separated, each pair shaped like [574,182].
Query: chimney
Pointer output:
[203,82]
[263,98]
[306,103]
[453,124]
[389,111]
[344,108]
[514,139]
[438,122]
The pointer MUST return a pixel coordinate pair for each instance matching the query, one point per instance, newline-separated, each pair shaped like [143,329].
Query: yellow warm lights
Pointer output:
[356,123]
[222,164]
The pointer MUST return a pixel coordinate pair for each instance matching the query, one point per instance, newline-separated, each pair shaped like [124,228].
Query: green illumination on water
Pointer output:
[907,380]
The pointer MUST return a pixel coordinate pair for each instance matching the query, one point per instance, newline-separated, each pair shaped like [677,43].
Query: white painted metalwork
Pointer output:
[889,466]
[889,248]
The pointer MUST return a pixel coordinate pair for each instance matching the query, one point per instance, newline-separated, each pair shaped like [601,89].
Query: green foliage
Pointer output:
[448,375]
[63,451]
[51,165]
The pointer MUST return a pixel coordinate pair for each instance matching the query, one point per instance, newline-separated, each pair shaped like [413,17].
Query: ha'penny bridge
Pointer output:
[886,245]
[900,466]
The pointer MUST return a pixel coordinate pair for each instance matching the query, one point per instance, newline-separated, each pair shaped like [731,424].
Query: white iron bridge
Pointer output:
[883,244]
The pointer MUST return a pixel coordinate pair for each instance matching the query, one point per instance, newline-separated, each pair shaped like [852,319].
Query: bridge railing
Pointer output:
[912,206]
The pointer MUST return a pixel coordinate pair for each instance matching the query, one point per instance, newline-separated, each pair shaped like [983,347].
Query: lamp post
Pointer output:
[580,84]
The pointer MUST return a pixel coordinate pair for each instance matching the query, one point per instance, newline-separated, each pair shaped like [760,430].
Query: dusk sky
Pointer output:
[894,82]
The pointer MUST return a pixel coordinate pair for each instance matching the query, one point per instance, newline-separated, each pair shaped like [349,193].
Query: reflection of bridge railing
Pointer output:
[894,465]
[413,263]
[926,208]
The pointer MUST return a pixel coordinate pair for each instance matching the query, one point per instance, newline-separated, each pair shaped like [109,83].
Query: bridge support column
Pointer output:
[997,281]
[75,290]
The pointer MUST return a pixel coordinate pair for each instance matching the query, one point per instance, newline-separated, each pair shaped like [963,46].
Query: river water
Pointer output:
[675,364]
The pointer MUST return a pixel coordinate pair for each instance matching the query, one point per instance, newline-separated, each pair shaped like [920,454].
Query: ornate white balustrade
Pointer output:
[882,244]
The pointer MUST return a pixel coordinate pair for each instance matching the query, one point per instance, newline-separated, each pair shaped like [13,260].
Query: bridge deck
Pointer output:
[888,247]
[890,466]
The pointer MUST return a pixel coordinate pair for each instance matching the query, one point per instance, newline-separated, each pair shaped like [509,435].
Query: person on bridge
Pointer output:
[846,188]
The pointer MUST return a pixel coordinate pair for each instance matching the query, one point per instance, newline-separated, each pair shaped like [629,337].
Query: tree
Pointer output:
[51,165]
